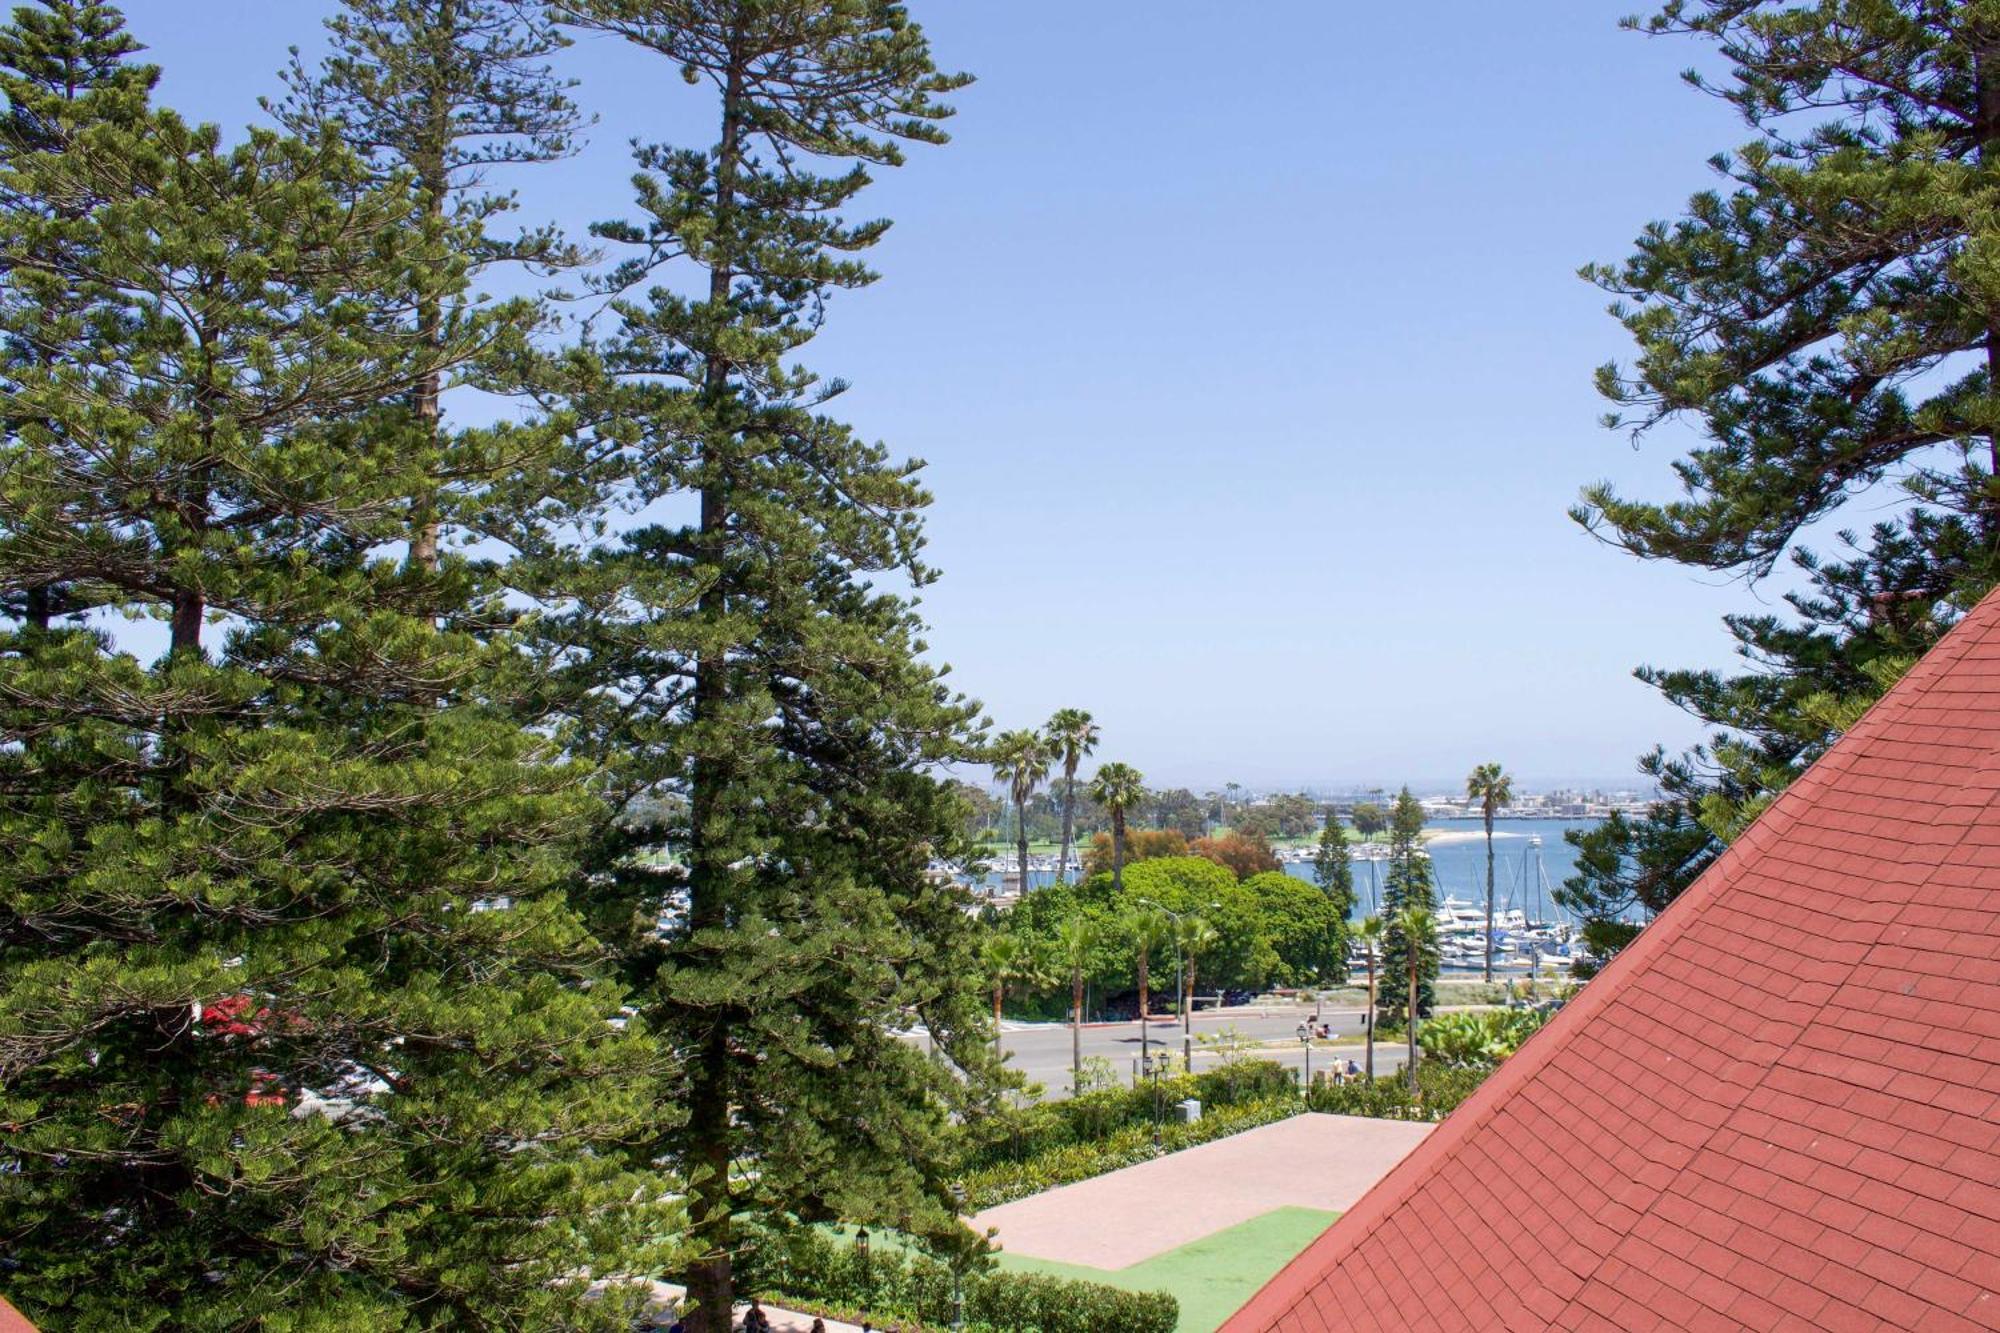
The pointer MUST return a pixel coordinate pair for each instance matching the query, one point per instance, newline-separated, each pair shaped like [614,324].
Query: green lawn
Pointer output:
[1211,1277]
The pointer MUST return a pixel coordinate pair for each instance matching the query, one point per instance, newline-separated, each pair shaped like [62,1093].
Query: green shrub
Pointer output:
[1440,1090]
[1029,1132]
[824,1272]
[1004,1180]
[1480,1039]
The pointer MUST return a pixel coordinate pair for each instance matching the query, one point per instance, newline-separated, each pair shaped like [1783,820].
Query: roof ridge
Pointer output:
[1293,1284]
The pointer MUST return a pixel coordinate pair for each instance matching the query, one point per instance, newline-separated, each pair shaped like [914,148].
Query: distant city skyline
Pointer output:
[1215,337]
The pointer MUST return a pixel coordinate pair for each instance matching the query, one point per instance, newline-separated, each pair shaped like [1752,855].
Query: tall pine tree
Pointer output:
[445,91]
[296,1027]
[750,687]
[1333,871]
[1407,885]
[1829,318]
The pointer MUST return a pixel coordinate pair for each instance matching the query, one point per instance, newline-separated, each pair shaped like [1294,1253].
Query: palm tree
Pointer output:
[1197,937]
[1075,942]
[1492,788]
[1010,961]
[1370,932]
[1021,760]
[1118,787]
[1152,930]
[1070,736]
[1419,927]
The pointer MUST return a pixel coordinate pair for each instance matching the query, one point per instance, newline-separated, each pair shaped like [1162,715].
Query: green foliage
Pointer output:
[1020,1133]
[1117,787]
[261,1038]
[1441,1089]
[740,661]
[1477,1038]
[1004,1181]
[1407,885]
[820,1270]
[1071,736]
[1823,321]
[1302,926]
[1333,871]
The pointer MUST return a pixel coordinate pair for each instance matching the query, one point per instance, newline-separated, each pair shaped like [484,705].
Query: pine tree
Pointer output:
[1333,871]
[63,66]
[445,90]
[1407,886]
[266,1056]
[1829,320]
[752,681]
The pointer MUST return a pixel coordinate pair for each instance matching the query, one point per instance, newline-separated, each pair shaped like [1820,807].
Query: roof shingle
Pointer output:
[1778,1109]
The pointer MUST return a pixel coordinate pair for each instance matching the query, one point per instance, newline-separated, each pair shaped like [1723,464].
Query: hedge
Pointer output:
[1029,1132]
[819,1270]
[1440,1089]
[1006,1180]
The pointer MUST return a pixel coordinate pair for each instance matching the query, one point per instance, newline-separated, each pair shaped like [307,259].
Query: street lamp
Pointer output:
[1306,1040]
[861,1258]
[1180,985]
[958,1263]
[1155,1067]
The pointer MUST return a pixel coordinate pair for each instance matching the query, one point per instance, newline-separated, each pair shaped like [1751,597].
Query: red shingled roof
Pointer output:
[1778,1109]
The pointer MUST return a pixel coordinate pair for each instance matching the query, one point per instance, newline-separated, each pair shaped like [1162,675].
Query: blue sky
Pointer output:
[1249,360]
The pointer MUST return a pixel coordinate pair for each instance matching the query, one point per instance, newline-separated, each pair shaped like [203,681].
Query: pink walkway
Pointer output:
[1112,1221]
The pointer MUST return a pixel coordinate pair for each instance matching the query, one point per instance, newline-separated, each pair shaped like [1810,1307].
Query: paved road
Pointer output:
[1043,1053]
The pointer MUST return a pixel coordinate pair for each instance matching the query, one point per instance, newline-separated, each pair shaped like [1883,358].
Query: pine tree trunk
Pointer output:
[433,175]
[1986,71]
[709,1132]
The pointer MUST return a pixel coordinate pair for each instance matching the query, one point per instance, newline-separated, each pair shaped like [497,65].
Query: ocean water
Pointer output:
[1523,872]
[1522,868]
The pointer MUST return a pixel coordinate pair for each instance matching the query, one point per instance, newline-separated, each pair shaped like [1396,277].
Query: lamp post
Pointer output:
[861,1257]
[958,1263]
[1306,1040]
[1155,1066]
[1180,985]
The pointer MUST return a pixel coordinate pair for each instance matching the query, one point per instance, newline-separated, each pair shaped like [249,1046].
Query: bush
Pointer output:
[822,1271]
[1032,1131]
[1478,1040]
[1440,1090]
[1003,1181]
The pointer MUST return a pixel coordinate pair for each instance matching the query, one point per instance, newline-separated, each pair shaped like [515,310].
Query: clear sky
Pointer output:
[1245,346]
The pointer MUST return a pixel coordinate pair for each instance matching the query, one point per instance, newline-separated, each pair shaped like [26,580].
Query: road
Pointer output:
[1043,1053]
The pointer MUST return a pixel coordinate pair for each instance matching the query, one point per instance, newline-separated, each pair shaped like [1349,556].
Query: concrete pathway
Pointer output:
[1116,1220]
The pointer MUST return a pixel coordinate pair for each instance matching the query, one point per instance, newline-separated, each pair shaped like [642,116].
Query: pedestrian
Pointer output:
[819,1326]
[756,1321]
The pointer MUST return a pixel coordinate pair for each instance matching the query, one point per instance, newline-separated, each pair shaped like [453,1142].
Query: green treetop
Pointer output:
[295,1021]
[1828,319]
[739,665]
[1408,885]
[445,90]
[1333,871]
